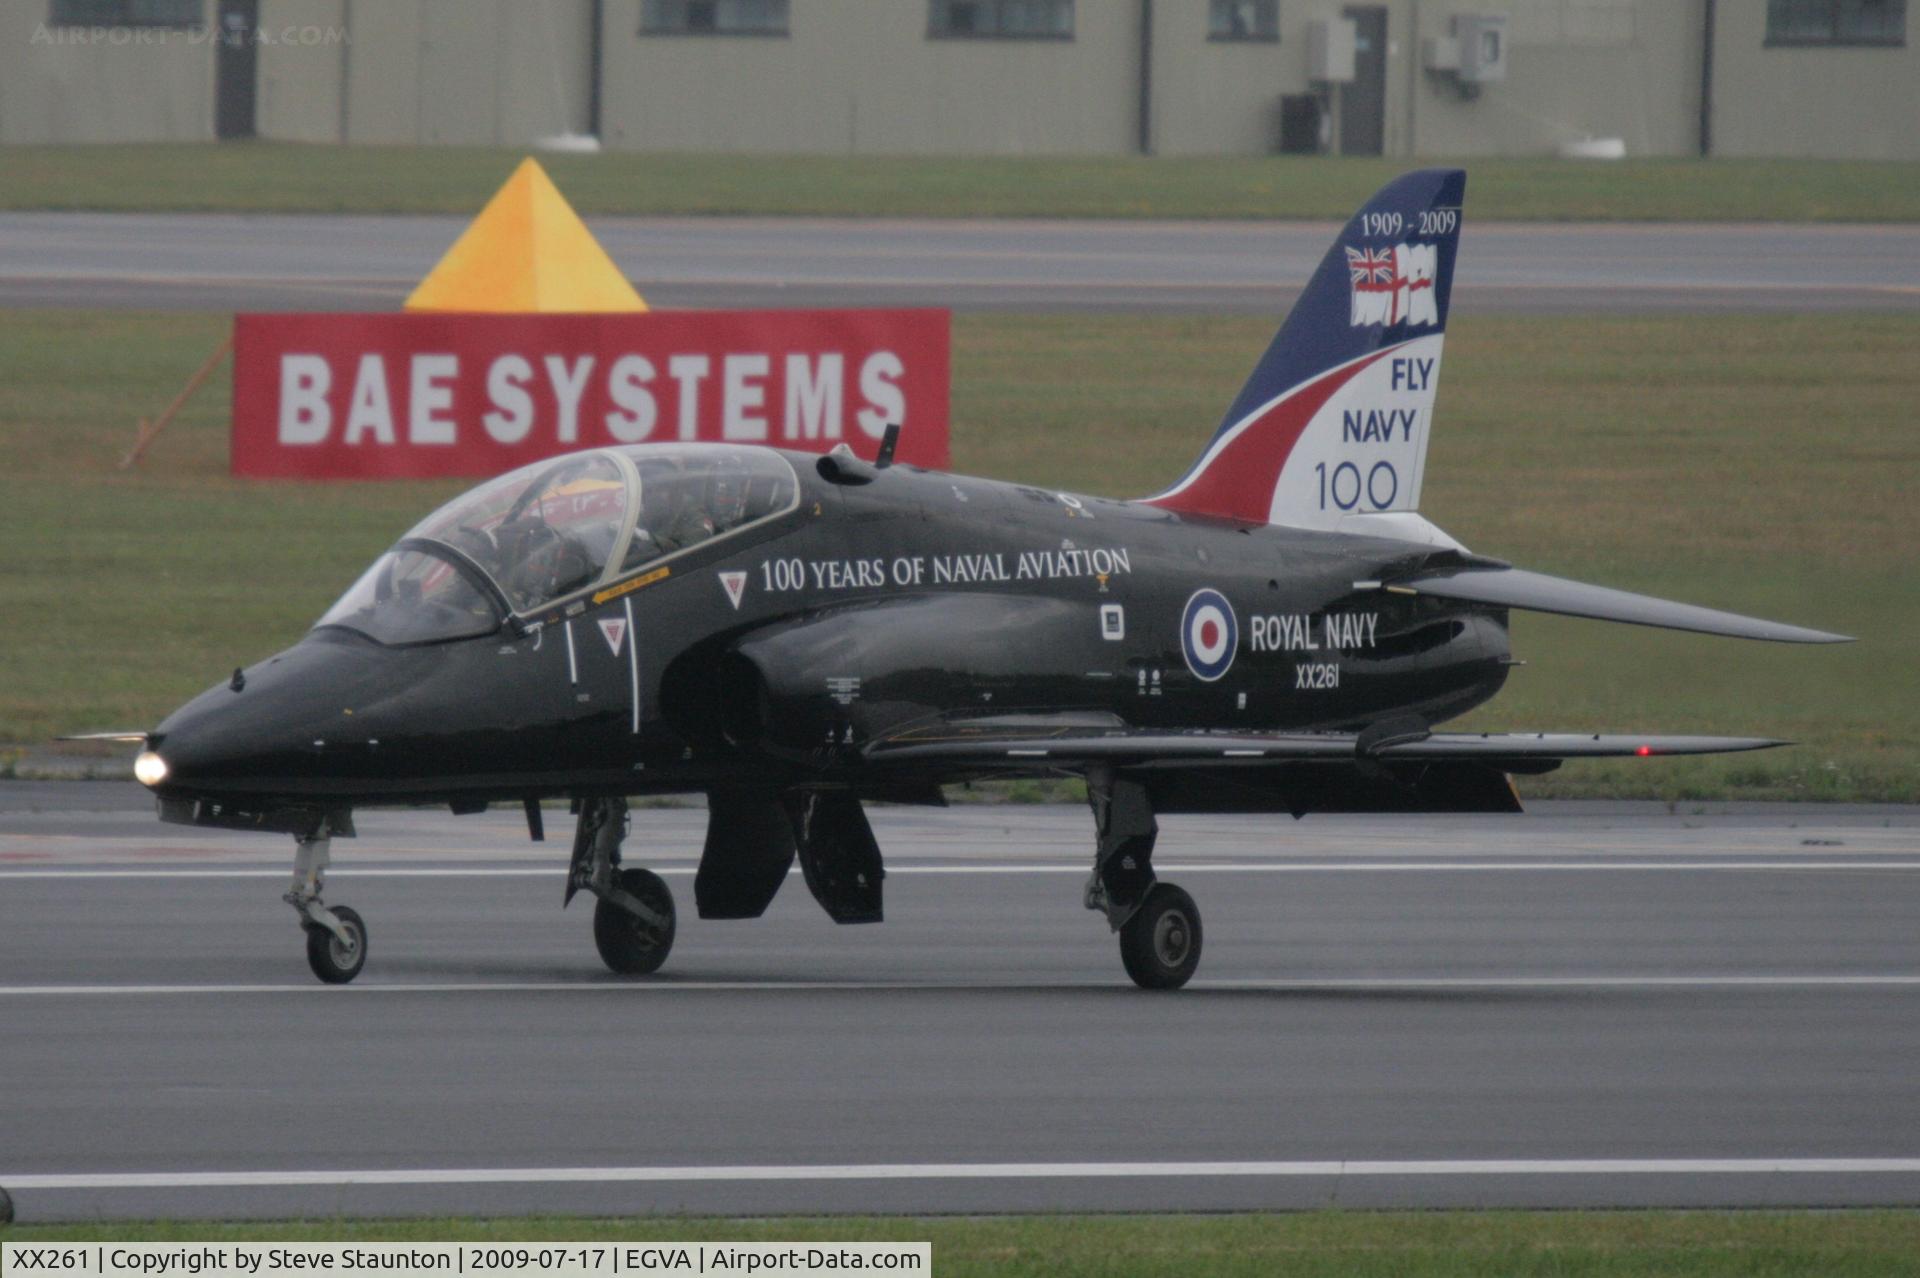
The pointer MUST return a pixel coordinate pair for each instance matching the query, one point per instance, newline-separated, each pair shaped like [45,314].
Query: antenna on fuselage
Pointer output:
[887,441]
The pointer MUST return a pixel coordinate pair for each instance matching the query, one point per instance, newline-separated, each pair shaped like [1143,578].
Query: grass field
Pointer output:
[1762,464]
[283,178]
[1351,1244]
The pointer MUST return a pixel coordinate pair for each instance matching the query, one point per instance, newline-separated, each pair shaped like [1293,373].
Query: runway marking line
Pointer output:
[352,285]
[1278,985]
[1328,1168]
[1169,867]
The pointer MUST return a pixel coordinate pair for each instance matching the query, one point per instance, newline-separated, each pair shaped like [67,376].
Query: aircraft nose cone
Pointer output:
[269,732]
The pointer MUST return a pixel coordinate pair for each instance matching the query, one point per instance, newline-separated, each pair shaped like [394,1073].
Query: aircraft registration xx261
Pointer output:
[793,635]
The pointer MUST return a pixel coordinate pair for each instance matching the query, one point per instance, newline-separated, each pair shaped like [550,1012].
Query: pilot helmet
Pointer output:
[727,494]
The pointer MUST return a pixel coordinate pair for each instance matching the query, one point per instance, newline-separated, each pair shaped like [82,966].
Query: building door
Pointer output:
[236,69]
[1363,100]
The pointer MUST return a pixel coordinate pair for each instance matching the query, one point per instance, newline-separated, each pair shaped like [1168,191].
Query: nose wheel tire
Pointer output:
[629,945]
[335,961]
[1160,944]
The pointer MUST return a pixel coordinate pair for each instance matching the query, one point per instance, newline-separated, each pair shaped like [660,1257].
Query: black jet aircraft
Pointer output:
[795,635]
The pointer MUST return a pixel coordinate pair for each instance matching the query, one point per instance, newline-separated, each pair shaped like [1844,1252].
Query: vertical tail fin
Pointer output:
[1334,420]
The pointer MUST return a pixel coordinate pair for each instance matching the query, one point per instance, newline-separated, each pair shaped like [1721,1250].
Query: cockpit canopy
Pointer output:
[557,527]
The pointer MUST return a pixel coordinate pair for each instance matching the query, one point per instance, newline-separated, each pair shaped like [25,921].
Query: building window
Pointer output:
[1817,22]
[714,17]
[1243,20]
[1000,19]
[126,13]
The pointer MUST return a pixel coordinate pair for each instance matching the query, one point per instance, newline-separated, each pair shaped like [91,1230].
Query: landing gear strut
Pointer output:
[1158,923]
[633,916]
[336,936]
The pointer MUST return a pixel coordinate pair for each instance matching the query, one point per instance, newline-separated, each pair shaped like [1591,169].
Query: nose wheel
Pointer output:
[336,935]
[337,959]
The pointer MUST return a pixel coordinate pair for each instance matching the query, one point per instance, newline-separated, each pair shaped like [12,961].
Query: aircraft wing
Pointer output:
[1538,592]
[1026,747]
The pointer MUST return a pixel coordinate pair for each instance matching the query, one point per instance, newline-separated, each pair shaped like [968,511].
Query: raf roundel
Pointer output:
[1209,635]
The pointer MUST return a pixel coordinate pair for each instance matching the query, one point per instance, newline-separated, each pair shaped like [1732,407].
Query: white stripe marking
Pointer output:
[573,664]
[1165,869]
[1273,985]
[633,663]
[977,1171]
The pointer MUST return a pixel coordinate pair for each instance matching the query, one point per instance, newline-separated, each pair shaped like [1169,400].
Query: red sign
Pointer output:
[420,396]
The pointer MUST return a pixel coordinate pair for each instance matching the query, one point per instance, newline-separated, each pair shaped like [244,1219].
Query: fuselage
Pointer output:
[863,608]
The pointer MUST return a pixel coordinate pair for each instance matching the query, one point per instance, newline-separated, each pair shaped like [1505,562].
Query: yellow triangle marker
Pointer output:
[527,251]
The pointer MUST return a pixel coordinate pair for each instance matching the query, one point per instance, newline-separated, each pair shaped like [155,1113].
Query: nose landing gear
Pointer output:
[336,936]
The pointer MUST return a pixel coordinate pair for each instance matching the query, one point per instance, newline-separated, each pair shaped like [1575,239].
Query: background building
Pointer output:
[1014,77]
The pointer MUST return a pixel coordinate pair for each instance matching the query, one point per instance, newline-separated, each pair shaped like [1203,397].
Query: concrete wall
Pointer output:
[1627,69]
[74,85]
[1220,97]
[1856,102]
[302,69]
[861,76]
[465,72]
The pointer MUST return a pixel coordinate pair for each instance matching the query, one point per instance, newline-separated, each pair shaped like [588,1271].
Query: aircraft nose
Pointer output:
[269,730]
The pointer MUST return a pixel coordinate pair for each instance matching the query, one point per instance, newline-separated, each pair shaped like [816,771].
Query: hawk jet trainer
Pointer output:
[795,635]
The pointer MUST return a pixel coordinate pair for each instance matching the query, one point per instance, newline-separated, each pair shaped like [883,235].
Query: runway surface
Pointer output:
[1593,1004]
[209,262]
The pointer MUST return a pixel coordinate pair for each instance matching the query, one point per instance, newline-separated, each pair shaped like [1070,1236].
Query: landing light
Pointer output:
[149,768]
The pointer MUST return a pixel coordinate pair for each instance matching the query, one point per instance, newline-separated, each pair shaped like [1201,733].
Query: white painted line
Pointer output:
[1278,985]
[334,871]
[633,664]
[1165,868]
[974,1171]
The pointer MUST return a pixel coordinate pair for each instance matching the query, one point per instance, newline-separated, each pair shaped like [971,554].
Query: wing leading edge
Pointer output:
[1070,748]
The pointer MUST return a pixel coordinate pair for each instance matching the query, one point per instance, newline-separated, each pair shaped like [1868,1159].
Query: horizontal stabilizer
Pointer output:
[1537,592]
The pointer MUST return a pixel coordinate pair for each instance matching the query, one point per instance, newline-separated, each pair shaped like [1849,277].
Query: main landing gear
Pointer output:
[1158,923]
[336,936]
[633,918]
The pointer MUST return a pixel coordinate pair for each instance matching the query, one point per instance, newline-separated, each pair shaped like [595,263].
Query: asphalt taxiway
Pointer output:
[1589,1005]
[222,262]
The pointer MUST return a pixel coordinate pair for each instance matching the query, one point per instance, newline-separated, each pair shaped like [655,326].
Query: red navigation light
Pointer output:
[1644,751]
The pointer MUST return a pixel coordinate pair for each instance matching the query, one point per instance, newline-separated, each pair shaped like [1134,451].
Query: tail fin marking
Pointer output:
[1335,418]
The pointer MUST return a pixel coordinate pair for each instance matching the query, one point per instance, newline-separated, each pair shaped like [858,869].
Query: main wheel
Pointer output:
[333,960]
[626,944]
[1160,944]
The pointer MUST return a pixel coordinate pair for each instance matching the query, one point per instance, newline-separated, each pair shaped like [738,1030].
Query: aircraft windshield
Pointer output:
[554,528]
[541,531]
[410,596]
